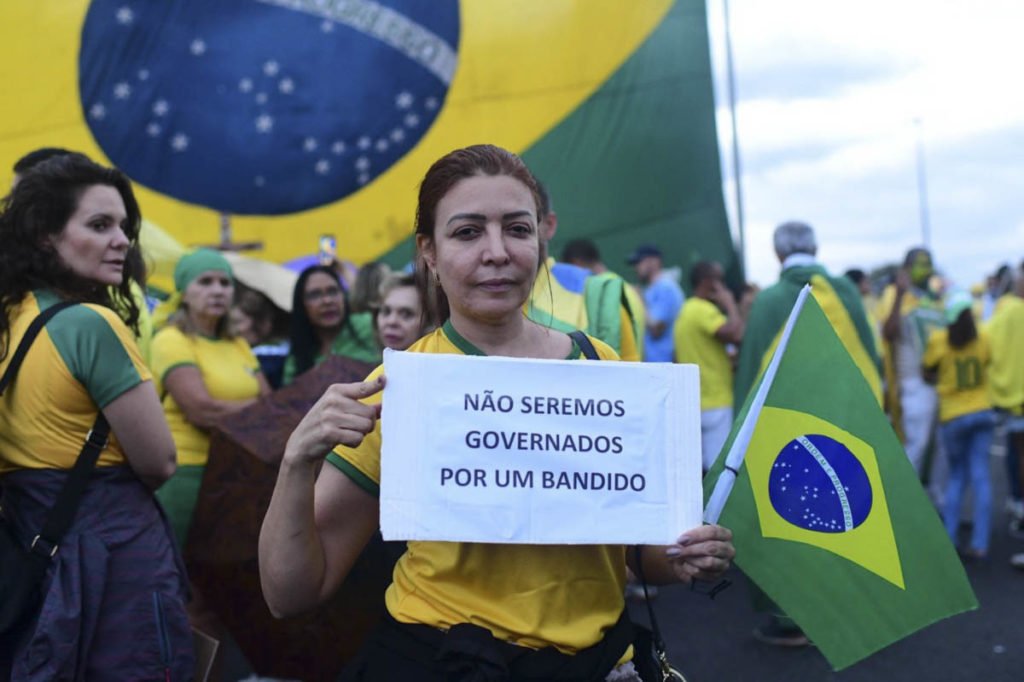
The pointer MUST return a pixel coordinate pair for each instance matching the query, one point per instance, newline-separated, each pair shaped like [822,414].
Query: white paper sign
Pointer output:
[485,449]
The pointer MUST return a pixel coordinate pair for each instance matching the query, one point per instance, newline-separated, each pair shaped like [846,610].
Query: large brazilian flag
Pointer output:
[303,117]
[828,516]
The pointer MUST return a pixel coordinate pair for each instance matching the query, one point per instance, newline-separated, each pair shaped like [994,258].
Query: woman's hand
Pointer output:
[703,553]
[337,418]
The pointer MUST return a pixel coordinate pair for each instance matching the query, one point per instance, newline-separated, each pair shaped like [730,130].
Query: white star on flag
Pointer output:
[411,120]
[161,107]
[323,166]
[259,181]
[98,111]
[143,74]
[261,98]
[397,135]
[245,85]
[153,129]
[179,142]
[364,142]
[122,90]
[198,47]
[404,100]
[309,144]
[338,147]
[362,164]
[363,178]
[382,145]
[327,26]
[264,123]
[287,86]
[431,103]
[125,15]
[271,68]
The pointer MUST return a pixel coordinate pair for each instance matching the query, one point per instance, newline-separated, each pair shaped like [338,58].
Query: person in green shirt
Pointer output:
[323,324]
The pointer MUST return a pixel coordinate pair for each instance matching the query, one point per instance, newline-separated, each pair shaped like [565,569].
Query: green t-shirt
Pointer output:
[355,340]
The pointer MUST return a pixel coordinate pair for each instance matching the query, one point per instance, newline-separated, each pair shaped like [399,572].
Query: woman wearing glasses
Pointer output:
[323,324]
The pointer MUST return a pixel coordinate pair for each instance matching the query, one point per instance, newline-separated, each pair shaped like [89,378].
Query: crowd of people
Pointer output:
[116,602]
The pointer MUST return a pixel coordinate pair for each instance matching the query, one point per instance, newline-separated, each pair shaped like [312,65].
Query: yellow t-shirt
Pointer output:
[962,384]
[81,361]
[1006,337]
[695,343]
[229,370]
[567,596]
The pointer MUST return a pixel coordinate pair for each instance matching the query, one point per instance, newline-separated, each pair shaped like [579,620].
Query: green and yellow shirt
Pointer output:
[83,360]
[565,596]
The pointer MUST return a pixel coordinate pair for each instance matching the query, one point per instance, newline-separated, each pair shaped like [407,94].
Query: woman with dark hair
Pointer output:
[112,598]
[401,318]
[323,324]
[957,359]
[478,252]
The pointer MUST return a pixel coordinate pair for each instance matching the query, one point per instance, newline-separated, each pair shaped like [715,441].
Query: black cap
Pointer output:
[643,251]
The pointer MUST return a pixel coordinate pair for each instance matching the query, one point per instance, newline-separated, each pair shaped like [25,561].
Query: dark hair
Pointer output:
[701,271]
[445,173]
[963,331]
[38,209]
[581,251]
[36,157]
[303,336]
[366,289]
[855,275]
[912,255]
[543,200]
[261,310]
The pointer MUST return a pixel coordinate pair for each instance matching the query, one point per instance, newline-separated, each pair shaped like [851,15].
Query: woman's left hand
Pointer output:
[703,553]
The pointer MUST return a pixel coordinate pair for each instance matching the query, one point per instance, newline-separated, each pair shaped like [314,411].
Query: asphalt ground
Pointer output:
[712,639]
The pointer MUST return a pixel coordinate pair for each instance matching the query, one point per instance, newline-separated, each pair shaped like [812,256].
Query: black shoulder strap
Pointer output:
[26,341]
[586,347]
[61,515]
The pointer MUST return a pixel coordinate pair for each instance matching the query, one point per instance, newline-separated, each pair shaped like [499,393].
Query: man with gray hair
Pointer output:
[796,248]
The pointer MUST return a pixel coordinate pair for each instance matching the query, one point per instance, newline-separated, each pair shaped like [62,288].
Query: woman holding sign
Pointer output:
[462,609]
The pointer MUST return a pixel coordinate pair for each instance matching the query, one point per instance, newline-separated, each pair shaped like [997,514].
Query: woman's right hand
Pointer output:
[337,418]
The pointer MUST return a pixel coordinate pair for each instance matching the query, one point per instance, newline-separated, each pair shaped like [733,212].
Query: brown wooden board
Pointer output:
[221,553]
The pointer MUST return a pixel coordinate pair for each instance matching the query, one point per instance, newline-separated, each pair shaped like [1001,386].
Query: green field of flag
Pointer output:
[828,516]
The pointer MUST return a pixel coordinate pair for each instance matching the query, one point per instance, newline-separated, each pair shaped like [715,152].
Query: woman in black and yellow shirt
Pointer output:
[478,254]
[112,599]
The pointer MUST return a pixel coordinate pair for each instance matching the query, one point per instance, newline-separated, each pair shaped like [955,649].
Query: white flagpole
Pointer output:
[738,450]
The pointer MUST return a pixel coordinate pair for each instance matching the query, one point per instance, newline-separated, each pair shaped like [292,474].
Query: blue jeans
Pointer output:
[967,440]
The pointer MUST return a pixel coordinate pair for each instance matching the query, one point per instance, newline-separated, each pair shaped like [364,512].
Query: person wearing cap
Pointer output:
[956,360]
[203,373]
[663,299]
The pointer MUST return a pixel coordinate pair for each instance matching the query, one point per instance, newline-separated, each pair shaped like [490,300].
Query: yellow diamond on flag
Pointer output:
[817,484]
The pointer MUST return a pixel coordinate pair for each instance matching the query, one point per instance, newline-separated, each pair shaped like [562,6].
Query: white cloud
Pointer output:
[828,135]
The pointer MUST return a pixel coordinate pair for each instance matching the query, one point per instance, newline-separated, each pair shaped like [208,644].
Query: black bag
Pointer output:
[25,567]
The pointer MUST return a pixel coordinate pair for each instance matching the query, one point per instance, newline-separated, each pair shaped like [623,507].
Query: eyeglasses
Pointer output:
[314,295]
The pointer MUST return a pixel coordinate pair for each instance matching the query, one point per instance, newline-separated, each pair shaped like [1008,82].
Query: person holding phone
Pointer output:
[456,609]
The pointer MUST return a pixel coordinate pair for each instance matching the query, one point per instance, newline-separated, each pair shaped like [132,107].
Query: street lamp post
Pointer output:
[922,185]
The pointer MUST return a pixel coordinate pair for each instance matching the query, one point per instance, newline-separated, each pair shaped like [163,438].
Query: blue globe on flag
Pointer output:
[818,484]
[264,106]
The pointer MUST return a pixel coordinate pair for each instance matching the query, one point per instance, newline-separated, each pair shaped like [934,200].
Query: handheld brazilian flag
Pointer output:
[828,516]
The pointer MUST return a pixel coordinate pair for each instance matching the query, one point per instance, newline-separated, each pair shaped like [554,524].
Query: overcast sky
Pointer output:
[828,96]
